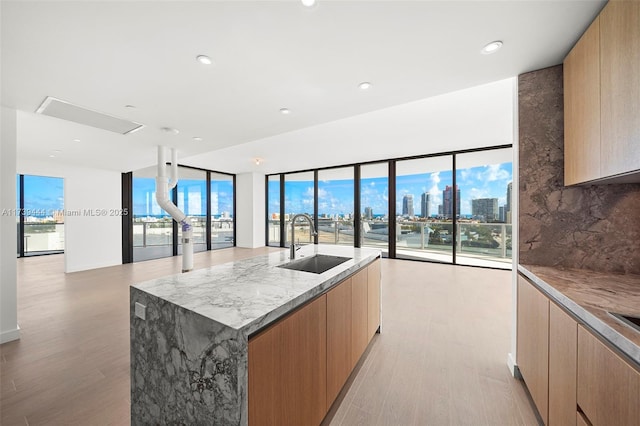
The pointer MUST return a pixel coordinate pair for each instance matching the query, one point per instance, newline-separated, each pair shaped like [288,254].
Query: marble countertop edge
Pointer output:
[587,316]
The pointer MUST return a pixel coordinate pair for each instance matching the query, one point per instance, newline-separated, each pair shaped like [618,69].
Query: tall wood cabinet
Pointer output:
[533,343]
[563,354]
[602,98]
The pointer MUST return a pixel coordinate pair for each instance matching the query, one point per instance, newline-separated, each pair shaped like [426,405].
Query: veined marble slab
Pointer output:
[589,295]
[248,294]
[189,355]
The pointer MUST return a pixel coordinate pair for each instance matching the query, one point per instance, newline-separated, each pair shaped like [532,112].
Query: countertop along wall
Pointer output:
[594,227]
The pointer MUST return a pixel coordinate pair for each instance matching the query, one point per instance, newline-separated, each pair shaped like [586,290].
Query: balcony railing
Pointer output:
[486,244]
[160,233]
[43,237]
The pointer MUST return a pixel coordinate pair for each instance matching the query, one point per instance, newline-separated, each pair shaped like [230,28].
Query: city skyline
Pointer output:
[488,181]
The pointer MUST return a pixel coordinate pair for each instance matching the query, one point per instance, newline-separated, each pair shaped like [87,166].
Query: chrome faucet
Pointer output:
[312,232]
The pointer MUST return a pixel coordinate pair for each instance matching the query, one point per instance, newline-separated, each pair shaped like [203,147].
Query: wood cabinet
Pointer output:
[288,369]
[359,317]
[620,82]
[563,354]
[608,387]
[533,343]
[582,108]
[373,298]
[339,317]
[298,366]
[602,98]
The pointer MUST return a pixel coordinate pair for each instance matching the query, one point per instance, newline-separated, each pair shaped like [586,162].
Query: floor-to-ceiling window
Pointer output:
[206,197]
[484,227]
[374,205]
[451,207]
[298,198]
[424,209]
[273,210]
[40,215]
[222,210]
[336,206]
[192,201]
[152,226]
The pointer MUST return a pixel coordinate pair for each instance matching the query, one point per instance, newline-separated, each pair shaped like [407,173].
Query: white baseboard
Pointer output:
[8,336]
[513,367]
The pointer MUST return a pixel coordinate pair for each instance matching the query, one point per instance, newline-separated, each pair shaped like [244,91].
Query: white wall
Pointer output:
[9,329]
[93,238]
[250,210]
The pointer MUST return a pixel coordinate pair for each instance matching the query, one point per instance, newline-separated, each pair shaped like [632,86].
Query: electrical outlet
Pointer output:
[141,311]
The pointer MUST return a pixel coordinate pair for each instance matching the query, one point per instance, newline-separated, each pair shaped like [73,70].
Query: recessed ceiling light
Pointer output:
[170,130]
[56,151]
[257,161]
[285,110]
[76,140]
[130,106]
[197,138]
[52,156]
[364,85]
[492,47]
[308,3]
[204,59]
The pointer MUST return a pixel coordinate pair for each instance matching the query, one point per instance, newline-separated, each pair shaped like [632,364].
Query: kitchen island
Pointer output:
[190,333]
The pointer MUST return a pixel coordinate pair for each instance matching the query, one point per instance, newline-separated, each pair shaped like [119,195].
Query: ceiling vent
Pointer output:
[67,111]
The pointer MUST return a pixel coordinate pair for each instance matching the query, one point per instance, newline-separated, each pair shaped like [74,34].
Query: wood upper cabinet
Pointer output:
[359,316]
[288,369]
[620,81]
[373,298]
[563,359]
[533,343]
[608,387]
[582,108]
[339,357]
[602,98]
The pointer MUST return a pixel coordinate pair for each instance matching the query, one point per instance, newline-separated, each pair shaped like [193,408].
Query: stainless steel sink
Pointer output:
[315,264]
[633,322]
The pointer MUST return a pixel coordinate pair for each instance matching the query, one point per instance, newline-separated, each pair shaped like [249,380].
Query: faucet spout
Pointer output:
[313,232]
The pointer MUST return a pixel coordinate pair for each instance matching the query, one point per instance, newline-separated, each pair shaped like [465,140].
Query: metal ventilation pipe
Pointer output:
[163,185]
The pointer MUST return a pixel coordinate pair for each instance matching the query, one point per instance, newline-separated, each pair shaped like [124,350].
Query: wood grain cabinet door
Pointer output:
[359,317]
[563,361]
[582,108]
[620,86]
[373,298]
[288,369]
[608,387]
[533,343]
[339,317]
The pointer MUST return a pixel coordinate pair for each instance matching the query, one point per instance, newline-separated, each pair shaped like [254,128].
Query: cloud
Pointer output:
[494,172]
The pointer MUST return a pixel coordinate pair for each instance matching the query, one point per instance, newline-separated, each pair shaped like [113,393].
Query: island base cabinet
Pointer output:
[287,369]
[608,387]
[373,299]
[339,339]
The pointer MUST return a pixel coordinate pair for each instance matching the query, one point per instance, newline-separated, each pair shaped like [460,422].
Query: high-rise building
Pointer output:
[439,209]
[507,212]
[502,215]
[485,208]
[407,205]
[424,205]
[447,202]
[368,213]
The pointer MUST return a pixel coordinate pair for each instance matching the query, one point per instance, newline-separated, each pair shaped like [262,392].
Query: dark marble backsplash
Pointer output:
[593,227]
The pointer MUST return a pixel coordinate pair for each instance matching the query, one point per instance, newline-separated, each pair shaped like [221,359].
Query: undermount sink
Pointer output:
[315,264]
[633,322]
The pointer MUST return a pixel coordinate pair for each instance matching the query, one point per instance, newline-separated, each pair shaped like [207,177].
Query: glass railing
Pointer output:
[158,233]
[43,237]
[221,233]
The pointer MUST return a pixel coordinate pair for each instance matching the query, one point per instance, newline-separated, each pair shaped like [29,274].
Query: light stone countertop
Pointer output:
[248,294]
[589,295]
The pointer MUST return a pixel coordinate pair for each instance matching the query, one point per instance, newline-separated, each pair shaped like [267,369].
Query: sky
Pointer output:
[191,197]
[42,195]
[336,197]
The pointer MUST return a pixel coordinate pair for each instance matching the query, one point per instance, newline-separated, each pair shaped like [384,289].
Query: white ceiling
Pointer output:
[268,55]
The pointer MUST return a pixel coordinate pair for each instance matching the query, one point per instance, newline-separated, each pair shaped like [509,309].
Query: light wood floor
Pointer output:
[440,360]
